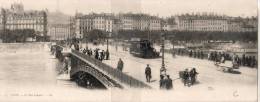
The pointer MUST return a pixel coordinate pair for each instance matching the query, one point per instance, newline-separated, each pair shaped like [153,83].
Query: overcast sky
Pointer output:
[155,7]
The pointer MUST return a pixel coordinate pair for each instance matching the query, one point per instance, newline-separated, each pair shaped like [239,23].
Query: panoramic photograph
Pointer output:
[129,51]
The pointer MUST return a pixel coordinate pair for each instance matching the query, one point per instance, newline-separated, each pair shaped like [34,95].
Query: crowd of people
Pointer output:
[188,77]
[248,61]
[97,53]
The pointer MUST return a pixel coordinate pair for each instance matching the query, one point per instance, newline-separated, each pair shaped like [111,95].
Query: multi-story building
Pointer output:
[201,23]
[140,22]
[85,23]
[127,21]
[17,18]
[59,31]
[238,24]
[72,27]
[103,22]
[170,24]
[155,23]
[186,22]
[210,22]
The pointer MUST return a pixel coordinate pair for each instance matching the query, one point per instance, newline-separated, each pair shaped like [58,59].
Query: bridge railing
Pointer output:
[112,72]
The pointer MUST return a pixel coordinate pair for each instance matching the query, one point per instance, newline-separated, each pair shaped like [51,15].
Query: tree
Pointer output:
[95,35]
[17,35]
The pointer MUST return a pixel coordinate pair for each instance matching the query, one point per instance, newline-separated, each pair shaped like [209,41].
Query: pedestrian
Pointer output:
[254,62]
[223,59]
[194,54]
[250,61]
[90,52]
[193,73]
[107,55]
[209,56]
[215,56]
[198,54]
[84,51]
[148,73]
[169,83]
[185,76]
[96,54]
[243,60]
[120,65]
[202,55]
[162,82]
[190,53]
[102,55]
[76,46]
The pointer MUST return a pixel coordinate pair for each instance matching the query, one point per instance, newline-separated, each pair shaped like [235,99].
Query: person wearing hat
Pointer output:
[148,73]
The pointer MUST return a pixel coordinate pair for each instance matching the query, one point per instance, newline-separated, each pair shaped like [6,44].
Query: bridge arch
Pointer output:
[88,80]
[99,76]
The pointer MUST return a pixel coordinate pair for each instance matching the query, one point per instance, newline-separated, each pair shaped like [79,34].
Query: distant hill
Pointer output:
[58,18]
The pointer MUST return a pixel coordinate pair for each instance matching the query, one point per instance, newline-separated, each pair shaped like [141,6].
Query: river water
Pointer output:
[29,71]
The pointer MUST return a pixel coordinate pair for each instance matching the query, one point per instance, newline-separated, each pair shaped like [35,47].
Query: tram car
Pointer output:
[143,49]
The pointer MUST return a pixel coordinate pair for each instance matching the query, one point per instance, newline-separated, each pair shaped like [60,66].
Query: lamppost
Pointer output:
[107,52]
[163,69]
[107,39]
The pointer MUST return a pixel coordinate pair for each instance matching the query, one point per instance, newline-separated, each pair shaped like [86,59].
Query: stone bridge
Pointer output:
[106,75]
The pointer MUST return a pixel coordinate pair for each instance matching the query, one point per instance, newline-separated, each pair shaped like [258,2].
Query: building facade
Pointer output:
[238,24]
[201,23]
[17,18]
[170,24]
[59,32]
[85,23]
[210,23]
[186,22]
[140,22]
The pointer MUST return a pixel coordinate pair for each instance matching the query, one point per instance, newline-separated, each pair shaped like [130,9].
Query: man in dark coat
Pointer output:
[148,73]
[193,73]
[168,83]
[107,55]
[162,82]
[186,77]
[96,54]
[120,64]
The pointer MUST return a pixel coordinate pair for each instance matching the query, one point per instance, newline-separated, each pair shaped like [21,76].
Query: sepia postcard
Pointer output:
[129,51]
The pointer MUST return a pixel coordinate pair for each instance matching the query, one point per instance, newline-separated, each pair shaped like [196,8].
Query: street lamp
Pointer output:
[107,39]
[163,69]
[107,52]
